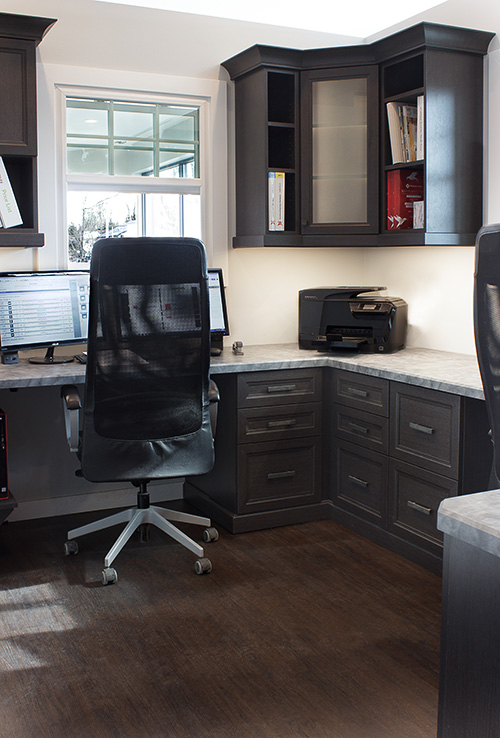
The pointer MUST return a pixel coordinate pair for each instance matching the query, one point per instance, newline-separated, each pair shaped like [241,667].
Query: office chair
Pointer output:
[487,331]
[149,405]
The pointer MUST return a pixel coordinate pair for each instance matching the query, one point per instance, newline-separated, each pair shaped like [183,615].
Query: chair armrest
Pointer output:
[71,405]
[213,397]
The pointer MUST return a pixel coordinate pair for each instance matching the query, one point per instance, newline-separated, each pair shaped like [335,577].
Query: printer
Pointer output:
[352,319]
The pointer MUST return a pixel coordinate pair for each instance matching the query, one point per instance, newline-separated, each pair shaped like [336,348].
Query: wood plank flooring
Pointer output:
[307,631]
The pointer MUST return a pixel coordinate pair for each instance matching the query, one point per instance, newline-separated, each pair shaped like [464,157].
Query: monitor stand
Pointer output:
[49,358]
[216,344]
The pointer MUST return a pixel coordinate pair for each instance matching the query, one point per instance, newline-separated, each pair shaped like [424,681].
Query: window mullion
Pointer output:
[111,135]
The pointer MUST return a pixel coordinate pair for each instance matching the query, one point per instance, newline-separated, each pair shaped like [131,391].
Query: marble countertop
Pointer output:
[439,370]
[473,518]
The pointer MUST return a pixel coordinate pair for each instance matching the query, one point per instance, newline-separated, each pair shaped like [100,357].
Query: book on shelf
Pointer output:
[405,187]
[9,211]
[418,214]
[420,127]
[276,206]
[404,132]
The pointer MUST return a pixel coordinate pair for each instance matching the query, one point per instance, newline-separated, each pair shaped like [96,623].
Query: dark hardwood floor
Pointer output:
[307,631]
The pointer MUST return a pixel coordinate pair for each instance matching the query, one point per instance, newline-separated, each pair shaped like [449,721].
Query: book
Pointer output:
[418,214]
[395,132]
[409,115]
[9,212]
[420,127]
[276,201]
[404,188]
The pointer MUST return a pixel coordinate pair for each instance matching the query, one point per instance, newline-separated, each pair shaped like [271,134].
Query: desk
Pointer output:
[42,471]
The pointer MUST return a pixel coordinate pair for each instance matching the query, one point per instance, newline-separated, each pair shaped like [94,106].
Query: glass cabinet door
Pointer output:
[340,151]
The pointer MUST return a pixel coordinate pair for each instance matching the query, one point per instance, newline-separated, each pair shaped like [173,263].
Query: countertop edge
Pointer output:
[473,518]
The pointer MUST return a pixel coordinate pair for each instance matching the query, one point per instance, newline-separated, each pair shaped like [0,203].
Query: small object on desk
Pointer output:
[238,348]
[82,358]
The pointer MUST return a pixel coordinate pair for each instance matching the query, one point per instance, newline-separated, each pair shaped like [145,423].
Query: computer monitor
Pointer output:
[219,324]
[42,310]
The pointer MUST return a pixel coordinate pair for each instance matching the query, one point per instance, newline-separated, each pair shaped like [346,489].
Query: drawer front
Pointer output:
[279,474]
[425,428]
[361,482]
[279,422]
[367,429]
[259,389]
[362,392]
[415,495]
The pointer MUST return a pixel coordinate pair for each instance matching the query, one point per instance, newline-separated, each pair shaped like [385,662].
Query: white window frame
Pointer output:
[55,82]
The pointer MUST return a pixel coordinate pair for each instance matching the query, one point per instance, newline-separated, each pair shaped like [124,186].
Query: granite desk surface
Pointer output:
[474,519]
[440,370]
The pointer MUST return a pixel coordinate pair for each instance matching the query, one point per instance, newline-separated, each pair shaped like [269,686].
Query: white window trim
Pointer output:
[60,82]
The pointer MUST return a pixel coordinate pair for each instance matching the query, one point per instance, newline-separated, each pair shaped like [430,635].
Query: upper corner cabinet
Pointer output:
[315,162]
[19,37]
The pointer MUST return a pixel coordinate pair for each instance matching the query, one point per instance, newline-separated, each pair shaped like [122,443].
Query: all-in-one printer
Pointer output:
[352,319]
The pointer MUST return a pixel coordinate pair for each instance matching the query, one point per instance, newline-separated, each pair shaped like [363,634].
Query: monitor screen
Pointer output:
[219,325]
[43,310]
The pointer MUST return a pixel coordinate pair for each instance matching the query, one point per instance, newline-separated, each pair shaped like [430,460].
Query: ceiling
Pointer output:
[360,18]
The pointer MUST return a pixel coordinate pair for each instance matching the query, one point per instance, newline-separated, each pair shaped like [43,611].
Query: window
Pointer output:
[133,169]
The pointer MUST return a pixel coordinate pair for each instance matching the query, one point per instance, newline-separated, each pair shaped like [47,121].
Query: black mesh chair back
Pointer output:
[146,402]
[487,326]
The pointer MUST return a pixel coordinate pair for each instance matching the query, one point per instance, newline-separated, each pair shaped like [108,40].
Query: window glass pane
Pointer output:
[133,121]
[93,215]
[87,117]
[132,139]
[168,214]
[133,159]
[87,156]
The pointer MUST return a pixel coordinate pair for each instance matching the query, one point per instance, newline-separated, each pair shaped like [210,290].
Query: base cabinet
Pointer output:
[399,450]
[268,468]
[373,454]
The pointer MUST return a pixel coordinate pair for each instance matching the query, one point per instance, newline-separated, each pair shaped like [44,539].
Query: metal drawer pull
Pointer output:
[357,392]
[281,475]
[358,481]
[281,423]
[419,508]
[358,428]
[422,428]
[281,388]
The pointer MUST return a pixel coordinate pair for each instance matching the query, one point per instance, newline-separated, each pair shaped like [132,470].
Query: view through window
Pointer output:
[133,170]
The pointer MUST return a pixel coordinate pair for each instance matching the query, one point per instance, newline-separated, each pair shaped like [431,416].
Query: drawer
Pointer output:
[279,474]
[279,422]
[415,495]
[258,389]
[367,429]
[361,482]
[425,428]
[362,392]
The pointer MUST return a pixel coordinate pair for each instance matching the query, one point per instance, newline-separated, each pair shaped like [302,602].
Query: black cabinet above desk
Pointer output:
[318,117]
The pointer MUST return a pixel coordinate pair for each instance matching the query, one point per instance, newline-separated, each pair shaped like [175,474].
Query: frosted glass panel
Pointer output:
[339,169]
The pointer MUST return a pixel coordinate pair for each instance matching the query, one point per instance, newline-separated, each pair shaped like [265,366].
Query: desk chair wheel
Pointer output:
[210,535]
[203,566]
[70,548]
[109,575]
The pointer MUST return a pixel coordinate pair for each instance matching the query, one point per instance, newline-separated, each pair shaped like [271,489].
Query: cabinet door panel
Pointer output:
[283,421]
[280,474]
[17,95]
[340,151]
[425,428]
[415,495]
[259,389]
[361,482]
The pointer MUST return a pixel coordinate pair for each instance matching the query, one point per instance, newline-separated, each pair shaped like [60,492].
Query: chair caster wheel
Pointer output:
[70,548]
[210,535]
[109,576]
[203,566]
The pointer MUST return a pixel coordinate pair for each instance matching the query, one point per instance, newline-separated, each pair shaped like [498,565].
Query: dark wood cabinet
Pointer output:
[290,103]
[268,451]
[396,451]
[19,37]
